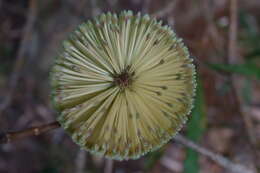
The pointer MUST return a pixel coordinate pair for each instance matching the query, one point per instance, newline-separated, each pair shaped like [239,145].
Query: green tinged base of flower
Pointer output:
[123,85]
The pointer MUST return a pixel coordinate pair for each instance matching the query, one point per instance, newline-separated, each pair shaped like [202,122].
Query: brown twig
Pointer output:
[212,30]
[232,44]
[33,131]
[109,166]
[80,161]
[232,59]
[167,9]
[222,161]
[20,58]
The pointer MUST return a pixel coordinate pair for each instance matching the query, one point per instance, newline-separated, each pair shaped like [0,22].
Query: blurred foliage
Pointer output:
[249,68]
[50,170]
[152,158]
[247,92]
[250,38]
[195,129]
[6,63]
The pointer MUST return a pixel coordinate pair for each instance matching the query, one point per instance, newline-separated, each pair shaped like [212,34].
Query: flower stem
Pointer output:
[33,131]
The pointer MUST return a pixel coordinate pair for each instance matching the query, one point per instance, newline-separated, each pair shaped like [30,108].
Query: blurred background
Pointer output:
[226,51]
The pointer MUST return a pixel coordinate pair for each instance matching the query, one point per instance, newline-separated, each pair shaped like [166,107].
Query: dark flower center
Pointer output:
[123,80]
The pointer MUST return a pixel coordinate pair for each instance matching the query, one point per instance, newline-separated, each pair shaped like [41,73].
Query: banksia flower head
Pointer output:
[123,85]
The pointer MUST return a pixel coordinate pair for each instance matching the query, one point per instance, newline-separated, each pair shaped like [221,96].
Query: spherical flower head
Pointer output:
[123,85]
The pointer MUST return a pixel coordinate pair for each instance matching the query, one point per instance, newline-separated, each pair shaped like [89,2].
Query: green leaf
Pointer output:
[195,130]
[249,69]
[247,92]
[191,164]
[255,53]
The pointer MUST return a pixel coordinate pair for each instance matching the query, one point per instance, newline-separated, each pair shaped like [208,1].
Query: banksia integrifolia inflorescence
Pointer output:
[123,85]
